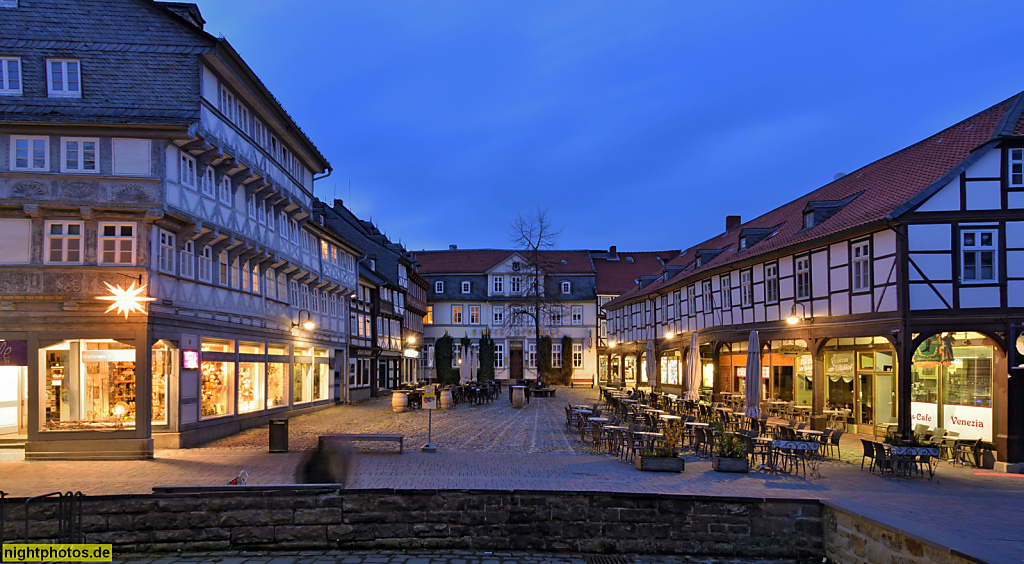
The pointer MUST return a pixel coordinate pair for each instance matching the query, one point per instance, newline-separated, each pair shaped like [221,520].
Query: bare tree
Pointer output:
[533,234]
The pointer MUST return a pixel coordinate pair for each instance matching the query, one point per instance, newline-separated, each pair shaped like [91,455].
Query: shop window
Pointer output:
[302,377]
[277,375]
[321,375]
[250,377]
[217,386]
[165,367]
[89,384]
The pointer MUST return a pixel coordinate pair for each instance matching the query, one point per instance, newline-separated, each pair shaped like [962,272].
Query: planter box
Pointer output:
[659,463]
[719,464]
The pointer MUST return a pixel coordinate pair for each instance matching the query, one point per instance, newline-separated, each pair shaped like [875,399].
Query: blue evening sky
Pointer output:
[640,124]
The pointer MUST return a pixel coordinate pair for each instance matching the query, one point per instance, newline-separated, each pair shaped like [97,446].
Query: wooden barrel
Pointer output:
[446,399]
[518,397]
[399,401]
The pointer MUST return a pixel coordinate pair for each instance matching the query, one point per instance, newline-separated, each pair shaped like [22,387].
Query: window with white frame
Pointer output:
[456,314]
[497,284]
[63,78]
[531,356]
[256,279]
[79,154]
[577,355]
[282,224]
[282,287]
[1016,168]
[187,176]
[10,75]
[165,258]
[187,266]
[566,287]
[225,190]
[116,243]
[771,283]
[808,220]
[250,206]
[64,242]
[206,264]
[516,284]
[293,293]
[261,212]
[270,284]
[30,153]
[556,355]
[474,315]
[707,296]
[978,251]
[295,232]
[324,299]
[465,287]
[860,266]
[314,300]
[438,287]
[227,104]
[577,315]
[556,315]
[207,183]
[305,295]
[222,268]
[497,315]
[235,281]
[726,283]
[691,299]
[499,355]
[803,277]
[746,288]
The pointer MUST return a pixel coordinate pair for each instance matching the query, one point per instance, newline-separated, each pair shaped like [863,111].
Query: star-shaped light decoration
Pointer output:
[126,301]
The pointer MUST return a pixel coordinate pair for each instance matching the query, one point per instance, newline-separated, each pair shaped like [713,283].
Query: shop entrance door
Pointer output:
[515,361]
[13,400]
[885,404]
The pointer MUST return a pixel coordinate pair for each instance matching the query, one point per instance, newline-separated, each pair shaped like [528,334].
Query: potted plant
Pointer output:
[730,454]
[665,457]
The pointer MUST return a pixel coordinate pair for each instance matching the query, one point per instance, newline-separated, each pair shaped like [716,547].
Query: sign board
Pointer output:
[190,360]
[805,366]
[839,364]
[971,422]
[924,413]
[429,401]
[115,355]
[13,353]
[1017,346]
[430,390]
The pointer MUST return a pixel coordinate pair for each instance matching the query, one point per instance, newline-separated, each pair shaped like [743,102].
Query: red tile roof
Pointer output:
[475,261]
[617,276]
[882,187]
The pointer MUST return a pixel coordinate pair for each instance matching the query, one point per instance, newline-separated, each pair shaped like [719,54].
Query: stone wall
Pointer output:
[851,538]
[260,518]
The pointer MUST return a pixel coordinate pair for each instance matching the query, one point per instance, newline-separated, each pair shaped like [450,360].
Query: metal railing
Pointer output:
[68,515]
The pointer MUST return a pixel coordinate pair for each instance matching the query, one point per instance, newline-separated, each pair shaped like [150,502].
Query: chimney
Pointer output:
[187,11]
[613,252]
[732,222]
[453,247]
[339,204]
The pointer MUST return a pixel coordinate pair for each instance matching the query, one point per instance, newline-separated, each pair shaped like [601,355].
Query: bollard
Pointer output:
[278,435]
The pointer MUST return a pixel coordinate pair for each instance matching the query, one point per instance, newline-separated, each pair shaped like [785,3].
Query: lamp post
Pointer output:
[793,319]
[308,324]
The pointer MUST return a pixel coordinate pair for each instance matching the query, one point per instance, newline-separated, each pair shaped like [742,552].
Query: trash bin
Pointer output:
[278,435]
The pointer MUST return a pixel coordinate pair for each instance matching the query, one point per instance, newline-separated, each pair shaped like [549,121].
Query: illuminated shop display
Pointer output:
[90,384]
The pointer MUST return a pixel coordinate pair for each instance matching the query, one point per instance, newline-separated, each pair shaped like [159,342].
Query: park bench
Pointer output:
[353,437]
[543,392]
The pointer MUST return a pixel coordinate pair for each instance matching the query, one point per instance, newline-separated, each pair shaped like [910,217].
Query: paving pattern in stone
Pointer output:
[497,447]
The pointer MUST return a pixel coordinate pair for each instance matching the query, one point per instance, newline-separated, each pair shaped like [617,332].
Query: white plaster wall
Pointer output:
[840,252]
[819,275]
[983,195]
[208,85]
[841,278]
[1015,234]
[979,297]
[1015,264]
[1015,293]
[884,243]
[131,157]
[884,271]
[1015,200]
[772,312]
[786,266]
[922,296]
[987,166]
[933,266]
[172,164]
[885,299]
[946,199]
[860,303]
[819,307]
[928,237]
[841,303]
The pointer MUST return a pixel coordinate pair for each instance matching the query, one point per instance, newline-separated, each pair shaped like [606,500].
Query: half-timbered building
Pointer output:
[888,296]
[138,152]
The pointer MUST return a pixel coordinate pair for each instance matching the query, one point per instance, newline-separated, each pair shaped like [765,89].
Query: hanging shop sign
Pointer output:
[190,360]
[1017,347]
[13,353]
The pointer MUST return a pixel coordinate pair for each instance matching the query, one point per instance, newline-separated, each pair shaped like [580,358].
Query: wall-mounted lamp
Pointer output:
[793,319]
[670,335]
[411,340]
[611,344]
[308,324]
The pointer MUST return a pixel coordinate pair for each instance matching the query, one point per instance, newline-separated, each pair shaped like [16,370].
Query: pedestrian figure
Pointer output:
[331,462]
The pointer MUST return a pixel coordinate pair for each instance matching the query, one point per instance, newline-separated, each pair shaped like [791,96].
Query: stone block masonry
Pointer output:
[309,518]
[852,537]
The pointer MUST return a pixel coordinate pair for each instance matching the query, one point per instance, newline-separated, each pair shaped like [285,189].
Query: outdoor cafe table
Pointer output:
[908,457]
[810,432]
[667,417]
[797,452]
[648,437]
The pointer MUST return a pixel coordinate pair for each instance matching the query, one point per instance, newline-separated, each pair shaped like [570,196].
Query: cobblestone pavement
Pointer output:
[454,557]
[497,447]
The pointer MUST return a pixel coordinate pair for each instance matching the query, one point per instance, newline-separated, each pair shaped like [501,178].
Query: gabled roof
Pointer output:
[478,261]
[617,274]
[880,188]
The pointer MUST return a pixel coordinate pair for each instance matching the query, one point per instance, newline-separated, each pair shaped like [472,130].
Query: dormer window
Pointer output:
[629,259]
[438,287]
[465,287]
[743,243]
[63,78]
[1016,167]
[566,287]
[808,220]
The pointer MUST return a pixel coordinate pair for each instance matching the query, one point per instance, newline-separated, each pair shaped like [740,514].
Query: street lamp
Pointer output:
[308,324]
[669,335]
[793,319]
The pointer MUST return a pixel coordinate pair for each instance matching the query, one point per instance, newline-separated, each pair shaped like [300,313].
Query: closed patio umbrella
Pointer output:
[753,377]
[651,366]
[693,369]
